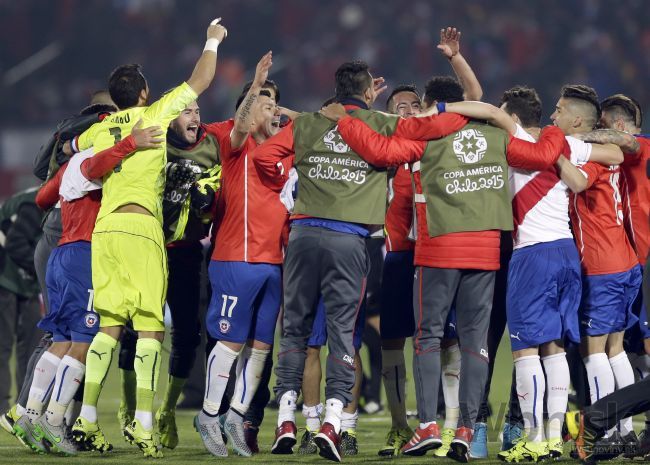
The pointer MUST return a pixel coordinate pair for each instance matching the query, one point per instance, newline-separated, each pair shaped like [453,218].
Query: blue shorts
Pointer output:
[450,325]
[635,335]
[245,301]
[608,301]
[70,291]
[318,336]
[543,294]
[397,320]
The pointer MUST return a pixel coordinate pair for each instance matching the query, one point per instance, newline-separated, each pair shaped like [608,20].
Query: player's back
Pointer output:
[137,180]
[635,189]
[597,218]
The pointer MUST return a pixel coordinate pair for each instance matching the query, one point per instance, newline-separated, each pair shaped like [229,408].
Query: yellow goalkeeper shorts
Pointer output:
[129,266]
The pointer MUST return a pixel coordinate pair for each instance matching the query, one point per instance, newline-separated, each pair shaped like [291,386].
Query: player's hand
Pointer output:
[201,198]
[217,31]
[449,42]
[181,174]
[333,111]
[262,69]
[67,148]
[146,138]
[378,84]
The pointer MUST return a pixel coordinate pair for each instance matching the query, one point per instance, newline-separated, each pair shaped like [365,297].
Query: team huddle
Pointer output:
[488,218]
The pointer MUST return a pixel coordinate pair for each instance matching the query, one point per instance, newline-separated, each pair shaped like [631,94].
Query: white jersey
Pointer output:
[540,200]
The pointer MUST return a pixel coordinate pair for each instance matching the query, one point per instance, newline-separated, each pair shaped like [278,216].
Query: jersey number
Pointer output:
[618,209]
[233,300]
[116,132]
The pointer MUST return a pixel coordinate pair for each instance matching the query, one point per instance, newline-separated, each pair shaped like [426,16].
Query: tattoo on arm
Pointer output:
[245,110]
[627,142]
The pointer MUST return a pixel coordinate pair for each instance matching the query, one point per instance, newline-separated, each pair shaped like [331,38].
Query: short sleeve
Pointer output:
[580,150]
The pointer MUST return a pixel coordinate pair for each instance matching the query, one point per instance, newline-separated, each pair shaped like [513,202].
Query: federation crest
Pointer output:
[90,320]
[224,326]
[335,142]
[470,146]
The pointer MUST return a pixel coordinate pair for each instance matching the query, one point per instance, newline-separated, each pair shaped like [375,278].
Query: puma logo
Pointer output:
[515,336]
[448,373]
[141,357]
[523,396]
[587,323]
[99,355]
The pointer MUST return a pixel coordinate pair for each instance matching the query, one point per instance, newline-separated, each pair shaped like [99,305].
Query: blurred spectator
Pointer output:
[541,44]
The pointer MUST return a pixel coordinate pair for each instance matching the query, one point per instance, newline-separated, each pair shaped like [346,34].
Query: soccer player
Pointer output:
[543,298]
[245,269]
[621,119]
[192,152]
[611,271]
[455,259]
[129,227]
[45,165]
[339,195]
[71,318]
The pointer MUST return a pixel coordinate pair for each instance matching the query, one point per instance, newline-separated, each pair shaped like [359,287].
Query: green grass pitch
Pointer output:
[371,432]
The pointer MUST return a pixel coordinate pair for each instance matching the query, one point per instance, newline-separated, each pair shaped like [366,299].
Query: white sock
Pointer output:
[42,384]
[600,377]
[20,410]
[312,416]
[69,376]
[349,420]
[333,413]
[450,360]
[393,372]
[72,412]
[531,385]
[249,372]
[557,392]
[89,412]
[287,407]
[216,379]
[623,376]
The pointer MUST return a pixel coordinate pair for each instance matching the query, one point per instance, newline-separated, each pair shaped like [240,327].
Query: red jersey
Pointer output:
[399,216]
[597,220]
[78,216]
[462,250]
[252,216]
[635,190]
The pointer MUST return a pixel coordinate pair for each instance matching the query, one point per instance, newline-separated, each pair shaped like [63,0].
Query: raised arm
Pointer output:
[627,142]
[268,158]
[484,111]
[450,47]
[244,115]
[206,66]
[537,156]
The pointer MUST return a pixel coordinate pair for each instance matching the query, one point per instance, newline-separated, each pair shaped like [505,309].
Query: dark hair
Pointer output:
[268,84]
[402,88]
[586,94]
[524,102]
[443,89]
[624,107]
[352,78]
[125,84]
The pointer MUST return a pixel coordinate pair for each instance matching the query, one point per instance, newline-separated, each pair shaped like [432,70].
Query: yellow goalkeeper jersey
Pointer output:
[140,178]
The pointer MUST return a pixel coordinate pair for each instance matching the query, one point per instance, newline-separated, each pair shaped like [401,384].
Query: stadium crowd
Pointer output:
[486,218]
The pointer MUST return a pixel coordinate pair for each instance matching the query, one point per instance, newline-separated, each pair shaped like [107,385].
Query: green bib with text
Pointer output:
[334,182]
[465,181]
